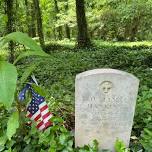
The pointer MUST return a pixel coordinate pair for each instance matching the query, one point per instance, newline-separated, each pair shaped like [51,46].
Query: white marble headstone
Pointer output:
[105,102]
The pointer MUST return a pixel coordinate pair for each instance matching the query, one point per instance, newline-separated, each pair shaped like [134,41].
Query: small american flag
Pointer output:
[37,109]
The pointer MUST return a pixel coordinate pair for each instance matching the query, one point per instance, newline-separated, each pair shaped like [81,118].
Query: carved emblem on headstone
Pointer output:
[105,102]
[106,86]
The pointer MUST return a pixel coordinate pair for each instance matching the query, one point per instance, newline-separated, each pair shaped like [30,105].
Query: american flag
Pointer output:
[37,109]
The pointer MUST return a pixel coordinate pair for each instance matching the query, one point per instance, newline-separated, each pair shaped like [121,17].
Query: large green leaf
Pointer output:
[32,47]
[8,78]
[24,39]
[31,53]
[12,125]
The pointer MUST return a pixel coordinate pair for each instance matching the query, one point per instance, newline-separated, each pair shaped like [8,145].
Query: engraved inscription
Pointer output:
[104,107]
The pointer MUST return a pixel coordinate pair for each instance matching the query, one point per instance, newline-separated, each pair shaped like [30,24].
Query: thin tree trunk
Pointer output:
[67,28]
[10,26]
[83,38]
[54,33]
[33,21]
[39,22]
[60,32]
[134,29]
[59,29]
[28,17]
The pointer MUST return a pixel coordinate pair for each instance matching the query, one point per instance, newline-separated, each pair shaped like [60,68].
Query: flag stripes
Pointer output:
[37,109]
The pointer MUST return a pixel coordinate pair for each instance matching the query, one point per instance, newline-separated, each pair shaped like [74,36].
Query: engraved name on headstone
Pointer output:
[105,102]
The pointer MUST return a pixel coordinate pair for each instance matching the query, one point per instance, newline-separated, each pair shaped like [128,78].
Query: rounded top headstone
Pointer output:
[105,71]
[105,102]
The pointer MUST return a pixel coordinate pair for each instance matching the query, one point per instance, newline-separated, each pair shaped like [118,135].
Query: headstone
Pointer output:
[105,102]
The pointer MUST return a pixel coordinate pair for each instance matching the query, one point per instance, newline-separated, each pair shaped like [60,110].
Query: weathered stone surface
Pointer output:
[105,102]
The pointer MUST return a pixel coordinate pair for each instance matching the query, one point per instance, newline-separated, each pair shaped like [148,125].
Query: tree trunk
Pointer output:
[33,21]
[134,29]
[67,28]
[54,33]
[83,38]
[39,22]
[28,17]
[59,29]
[10,26]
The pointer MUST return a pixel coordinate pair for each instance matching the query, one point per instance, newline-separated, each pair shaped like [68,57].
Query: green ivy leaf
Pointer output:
[62,139]
[8,78]
[57,119]
[120,146]
[12,125]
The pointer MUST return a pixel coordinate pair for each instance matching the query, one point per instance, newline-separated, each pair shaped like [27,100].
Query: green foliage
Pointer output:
[61,139]
[109,20]
[13,124]
[39,90]
[144,108]
[30,53]
[90,148]
[8,78]
[32,48]
[24,39]
[54,139]
[120,146]
[6,69]
[3,140]
[124,45]
[28,72]
[114,20]
[120,20]
[146,139]
[57,77]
